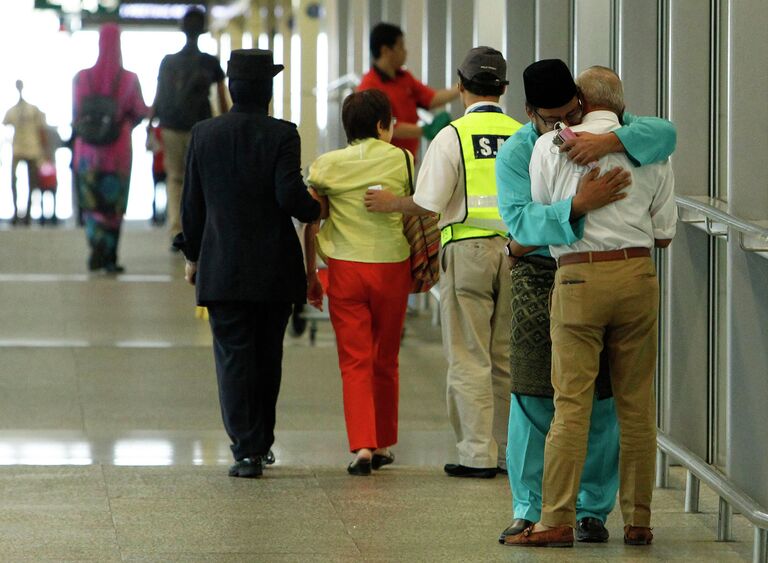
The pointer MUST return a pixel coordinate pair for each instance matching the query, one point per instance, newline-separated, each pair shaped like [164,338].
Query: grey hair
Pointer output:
[601,87]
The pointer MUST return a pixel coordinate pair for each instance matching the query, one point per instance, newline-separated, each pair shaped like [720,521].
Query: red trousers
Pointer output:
[367,304]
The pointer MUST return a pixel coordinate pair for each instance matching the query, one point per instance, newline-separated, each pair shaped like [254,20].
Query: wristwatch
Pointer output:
[508,250]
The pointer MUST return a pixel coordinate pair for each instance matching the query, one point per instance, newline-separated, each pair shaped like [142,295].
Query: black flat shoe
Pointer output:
[516,527]
[380,461]
[360,467]
[113,268]
[248,467]
[457,470]
[95,262]
[268,459]
[591,530]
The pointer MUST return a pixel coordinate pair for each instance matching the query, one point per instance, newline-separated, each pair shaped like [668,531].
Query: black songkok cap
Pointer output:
[252,64]
[548,84]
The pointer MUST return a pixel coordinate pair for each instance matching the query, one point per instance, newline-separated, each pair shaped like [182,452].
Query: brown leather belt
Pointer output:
[603,256]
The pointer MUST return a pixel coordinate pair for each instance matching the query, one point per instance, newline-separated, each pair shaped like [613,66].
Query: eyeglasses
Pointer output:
[571,118]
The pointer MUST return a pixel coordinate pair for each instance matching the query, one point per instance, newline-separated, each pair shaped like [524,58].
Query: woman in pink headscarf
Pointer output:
[103,170]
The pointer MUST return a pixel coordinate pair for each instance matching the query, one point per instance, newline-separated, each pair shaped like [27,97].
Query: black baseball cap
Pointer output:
[484,65]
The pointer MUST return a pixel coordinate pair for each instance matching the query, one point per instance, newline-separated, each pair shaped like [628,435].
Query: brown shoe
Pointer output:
[637,535]
[562,536]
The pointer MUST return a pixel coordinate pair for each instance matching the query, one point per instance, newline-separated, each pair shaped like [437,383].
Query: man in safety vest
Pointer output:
[457,180]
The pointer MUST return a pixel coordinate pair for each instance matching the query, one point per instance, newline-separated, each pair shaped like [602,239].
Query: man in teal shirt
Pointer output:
[551,97]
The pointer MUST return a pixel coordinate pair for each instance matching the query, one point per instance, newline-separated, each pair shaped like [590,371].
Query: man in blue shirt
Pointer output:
[552,97]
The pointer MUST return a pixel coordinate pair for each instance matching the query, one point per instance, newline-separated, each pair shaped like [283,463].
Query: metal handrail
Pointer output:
[730,495]
[714,211]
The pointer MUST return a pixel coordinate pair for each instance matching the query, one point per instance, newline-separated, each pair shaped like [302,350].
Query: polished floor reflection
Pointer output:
[111,445]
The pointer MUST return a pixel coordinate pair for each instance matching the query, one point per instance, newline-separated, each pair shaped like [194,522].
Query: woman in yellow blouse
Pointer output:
[368,273]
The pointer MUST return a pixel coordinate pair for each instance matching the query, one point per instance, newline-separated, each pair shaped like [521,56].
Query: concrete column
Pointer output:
[435,41]
[521,19]
[554,30]
[490,24]
[235,29]
[592,34]
[334,24]
[283,23]
[307,28]
[256,22]
[460,29]
[414,17]
[271,21]
[392,12]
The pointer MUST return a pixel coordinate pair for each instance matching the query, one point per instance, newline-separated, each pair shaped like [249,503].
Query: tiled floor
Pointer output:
[111,446]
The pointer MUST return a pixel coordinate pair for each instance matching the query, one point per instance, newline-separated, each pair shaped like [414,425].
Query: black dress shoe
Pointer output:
[268,459]
[591,530]
[360,467]
[457,470]
[248,467]
[516,527]
[379,460]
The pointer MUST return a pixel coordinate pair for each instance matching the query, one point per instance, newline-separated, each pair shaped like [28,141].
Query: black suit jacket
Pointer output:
[242,185]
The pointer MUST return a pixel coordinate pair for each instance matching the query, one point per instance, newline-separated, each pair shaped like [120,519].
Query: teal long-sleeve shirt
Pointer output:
[645,139]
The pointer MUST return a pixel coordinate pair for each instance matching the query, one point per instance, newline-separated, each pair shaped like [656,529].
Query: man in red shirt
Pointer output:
[405,93]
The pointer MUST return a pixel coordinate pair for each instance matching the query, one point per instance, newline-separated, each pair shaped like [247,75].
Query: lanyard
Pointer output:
[487,109]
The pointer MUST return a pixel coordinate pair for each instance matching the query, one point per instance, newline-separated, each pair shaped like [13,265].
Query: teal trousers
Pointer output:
[529,420]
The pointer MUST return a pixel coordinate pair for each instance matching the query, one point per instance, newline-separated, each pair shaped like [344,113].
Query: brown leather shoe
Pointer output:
[562,536]
[637,535]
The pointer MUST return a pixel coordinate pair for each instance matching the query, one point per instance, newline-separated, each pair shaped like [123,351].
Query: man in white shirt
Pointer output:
[605,294]
[457,180]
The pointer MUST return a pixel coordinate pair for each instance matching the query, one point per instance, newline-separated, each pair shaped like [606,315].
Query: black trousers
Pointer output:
[248,349]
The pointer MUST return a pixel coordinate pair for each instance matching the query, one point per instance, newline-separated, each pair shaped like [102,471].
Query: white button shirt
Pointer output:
[647,213]
[440,185]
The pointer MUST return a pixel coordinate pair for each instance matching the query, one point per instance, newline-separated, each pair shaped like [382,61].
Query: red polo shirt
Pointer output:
[405,93]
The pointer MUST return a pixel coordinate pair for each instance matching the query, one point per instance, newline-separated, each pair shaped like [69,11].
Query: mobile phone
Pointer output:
[376,187]
[562,134]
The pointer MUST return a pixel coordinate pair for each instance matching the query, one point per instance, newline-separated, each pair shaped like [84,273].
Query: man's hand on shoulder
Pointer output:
[589,147]
[597,191]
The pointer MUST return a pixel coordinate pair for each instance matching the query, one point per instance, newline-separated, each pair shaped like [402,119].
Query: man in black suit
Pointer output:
[241,187]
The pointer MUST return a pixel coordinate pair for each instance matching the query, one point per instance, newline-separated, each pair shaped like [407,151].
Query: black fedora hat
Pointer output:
[252,64]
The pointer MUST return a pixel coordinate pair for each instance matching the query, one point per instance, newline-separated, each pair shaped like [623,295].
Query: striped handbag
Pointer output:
[423,236]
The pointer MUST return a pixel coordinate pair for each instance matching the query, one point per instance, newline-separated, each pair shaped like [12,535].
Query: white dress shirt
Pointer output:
[440,184]
[647,213]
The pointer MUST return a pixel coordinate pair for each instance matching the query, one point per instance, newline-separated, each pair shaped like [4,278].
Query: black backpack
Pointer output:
[97,121]
[183,99]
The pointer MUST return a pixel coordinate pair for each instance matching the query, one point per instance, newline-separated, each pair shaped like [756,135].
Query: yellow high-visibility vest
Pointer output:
[481,134]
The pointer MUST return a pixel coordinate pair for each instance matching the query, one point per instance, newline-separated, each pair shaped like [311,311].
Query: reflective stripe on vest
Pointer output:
[481,135]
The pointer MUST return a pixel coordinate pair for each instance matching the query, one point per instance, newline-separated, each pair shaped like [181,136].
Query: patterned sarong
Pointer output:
[530,344]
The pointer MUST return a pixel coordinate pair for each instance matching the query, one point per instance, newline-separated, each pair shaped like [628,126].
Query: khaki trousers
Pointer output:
[175,145]
[612,304]
[476,314]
